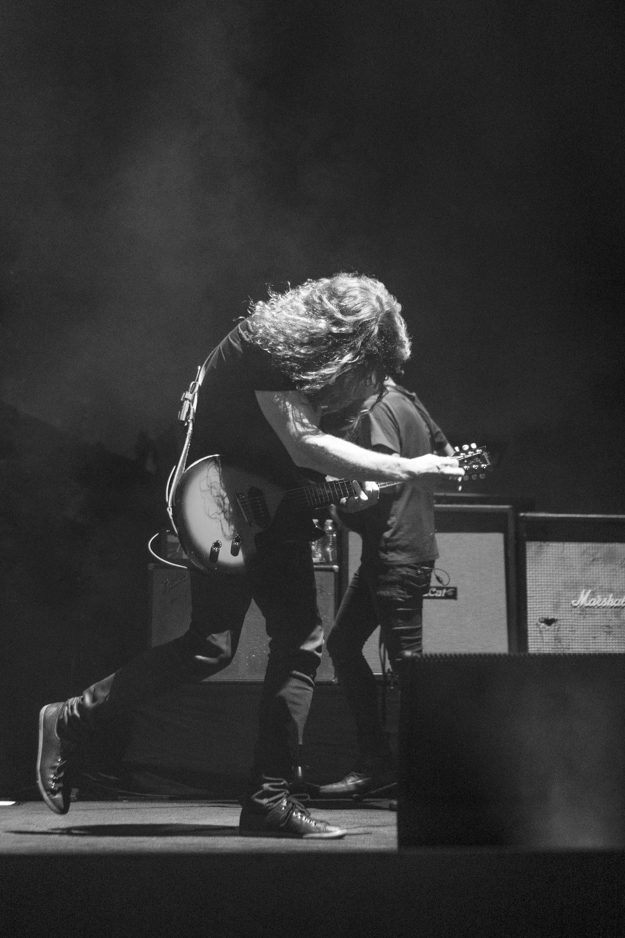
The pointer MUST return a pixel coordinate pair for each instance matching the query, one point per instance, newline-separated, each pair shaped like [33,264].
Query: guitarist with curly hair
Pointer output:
[299,355]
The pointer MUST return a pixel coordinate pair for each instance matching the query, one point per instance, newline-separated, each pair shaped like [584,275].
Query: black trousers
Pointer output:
[391,597]
[281,581]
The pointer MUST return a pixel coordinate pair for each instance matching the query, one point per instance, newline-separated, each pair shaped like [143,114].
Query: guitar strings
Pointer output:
[312,493]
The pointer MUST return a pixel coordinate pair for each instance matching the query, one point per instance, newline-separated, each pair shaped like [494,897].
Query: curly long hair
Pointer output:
[332,334]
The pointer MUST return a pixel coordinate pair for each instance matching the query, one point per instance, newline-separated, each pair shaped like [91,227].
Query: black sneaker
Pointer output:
[287,819]
[359,783]
[52,773]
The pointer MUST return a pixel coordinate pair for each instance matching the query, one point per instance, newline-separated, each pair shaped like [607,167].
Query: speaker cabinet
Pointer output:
[471,606]
[574,589]
[171,613]
[513,750]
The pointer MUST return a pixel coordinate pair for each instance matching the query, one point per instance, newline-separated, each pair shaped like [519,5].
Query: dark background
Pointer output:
[163,162]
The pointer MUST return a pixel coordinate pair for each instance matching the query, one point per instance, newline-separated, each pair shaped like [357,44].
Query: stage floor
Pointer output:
[178,827]
[157,869]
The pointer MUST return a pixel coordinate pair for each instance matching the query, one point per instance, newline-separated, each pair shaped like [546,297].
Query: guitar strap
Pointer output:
[186,415]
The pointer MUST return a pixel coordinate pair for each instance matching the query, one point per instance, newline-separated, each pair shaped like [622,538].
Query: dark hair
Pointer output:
[329,334]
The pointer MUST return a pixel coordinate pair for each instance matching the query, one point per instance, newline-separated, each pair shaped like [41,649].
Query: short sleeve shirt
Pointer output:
[400,529]
[228,419]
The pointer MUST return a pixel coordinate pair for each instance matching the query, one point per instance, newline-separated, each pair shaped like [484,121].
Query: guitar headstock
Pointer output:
[474,459]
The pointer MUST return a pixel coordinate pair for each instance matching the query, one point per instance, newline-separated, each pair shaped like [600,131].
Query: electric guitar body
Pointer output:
[209,506]
[223,513]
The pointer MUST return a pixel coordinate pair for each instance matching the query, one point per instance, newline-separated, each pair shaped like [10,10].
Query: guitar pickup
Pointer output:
[242,503]
[254,507]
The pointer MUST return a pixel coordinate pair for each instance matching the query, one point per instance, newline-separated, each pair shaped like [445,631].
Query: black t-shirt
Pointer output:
[400,528]
[228,419]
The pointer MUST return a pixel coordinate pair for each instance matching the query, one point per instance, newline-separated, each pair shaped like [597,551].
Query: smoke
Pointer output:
[164,162]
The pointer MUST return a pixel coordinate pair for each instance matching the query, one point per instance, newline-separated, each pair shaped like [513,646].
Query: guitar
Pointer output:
[223,513]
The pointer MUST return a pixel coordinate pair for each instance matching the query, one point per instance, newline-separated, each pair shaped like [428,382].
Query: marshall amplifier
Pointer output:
[572,574]
[171,613]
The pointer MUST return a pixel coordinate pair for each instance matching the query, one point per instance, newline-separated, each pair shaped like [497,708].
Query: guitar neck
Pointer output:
[473,459]
[330,493]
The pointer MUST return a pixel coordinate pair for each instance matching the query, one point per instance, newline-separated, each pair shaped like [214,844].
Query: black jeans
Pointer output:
[391,597]
[281,581]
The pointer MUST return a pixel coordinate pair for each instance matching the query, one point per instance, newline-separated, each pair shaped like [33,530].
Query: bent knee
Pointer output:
[342,650]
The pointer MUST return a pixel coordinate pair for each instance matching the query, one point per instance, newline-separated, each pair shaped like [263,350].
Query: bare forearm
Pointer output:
[295,422]
[337,457]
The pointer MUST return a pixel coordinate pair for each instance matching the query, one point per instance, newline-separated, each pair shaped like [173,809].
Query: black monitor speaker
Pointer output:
[513,750]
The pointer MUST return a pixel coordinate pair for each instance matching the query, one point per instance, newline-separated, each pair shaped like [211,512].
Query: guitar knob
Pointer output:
[235,547]
[213,556]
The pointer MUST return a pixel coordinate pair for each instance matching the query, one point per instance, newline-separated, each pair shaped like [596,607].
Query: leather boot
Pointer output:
[54,758]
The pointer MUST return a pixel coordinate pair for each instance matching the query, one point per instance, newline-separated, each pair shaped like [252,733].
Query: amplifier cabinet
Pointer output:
[471,606]
[171,614]
[573,595]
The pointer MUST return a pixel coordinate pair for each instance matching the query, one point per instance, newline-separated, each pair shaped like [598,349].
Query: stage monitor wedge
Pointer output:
[515,750]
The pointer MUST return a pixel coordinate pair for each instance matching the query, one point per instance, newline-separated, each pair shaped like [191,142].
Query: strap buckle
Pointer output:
[188,401]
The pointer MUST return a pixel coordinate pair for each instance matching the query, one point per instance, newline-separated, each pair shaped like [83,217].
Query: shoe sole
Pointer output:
[335,835]
[374,792]
[357,792]
[40,785]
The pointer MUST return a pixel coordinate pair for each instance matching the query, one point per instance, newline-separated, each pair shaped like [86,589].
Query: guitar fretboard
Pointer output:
[326,493]
[320,495]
